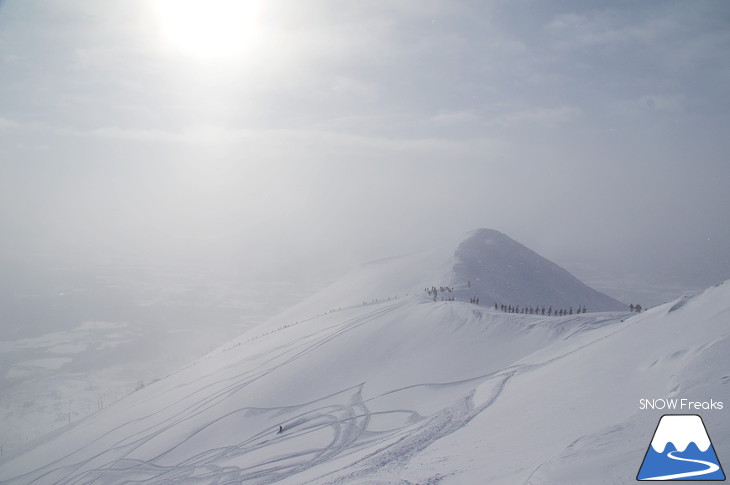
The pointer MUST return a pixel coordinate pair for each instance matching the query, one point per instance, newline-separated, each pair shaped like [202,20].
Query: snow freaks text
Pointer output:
[676,404]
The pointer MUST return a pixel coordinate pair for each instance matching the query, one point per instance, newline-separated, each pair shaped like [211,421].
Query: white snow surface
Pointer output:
[406,390]
[681,430]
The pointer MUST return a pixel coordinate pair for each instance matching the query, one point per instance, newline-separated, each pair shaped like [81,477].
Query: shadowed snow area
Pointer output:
[406,389]
[499,269]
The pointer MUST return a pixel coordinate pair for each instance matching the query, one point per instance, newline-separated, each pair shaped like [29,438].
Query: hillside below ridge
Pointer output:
[372,376]
[403,390]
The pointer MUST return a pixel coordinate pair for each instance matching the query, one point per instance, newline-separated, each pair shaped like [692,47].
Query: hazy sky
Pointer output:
[292,133]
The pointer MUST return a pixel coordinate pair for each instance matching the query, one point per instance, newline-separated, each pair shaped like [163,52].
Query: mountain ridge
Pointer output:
[457,265]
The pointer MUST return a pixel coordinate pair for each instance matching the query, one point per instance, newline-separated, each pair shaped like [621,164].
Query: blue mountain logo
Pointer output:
[681,450]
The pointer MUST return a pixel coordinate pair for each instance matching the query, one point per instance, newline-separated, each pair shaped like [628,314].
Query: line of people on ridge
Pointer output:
[538,310]
[526,309]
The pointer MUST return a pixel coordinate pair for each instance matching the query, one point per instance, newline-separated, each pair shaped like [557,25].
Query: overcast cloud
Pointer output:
[595,133]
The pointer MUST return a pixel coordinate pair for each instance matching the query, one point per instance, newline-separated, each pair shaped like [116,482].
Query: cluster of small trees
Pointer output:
[539,310]
[635,308]
[434,292]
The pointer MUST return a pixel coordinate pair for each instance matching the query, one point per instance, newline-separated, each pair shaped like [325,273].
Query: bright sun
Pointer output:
[208,28]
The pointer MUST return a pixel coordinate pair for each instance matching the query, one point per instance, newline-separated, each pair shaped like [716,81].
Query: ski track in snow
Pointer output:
[396,455]
[334,417]
[344,415]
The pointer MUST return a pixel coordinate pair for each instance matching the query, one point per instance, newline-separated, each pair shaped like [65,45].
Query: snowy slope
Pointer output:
[410,390]
[394,376]
[407,390]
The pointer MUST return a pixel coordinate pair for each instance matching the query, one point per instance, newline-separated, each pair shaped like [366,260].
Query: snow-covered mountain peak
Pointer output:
[483,264]
[486,236]
[681,430]
[495,268]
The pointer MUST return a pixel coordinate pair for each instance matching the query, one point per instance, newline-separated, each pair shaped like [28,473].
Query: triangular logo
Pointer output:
[681,450]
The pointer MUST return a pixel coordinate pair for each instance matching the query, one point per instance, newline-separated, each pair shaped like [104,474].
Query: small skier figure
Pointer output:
[281,430]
